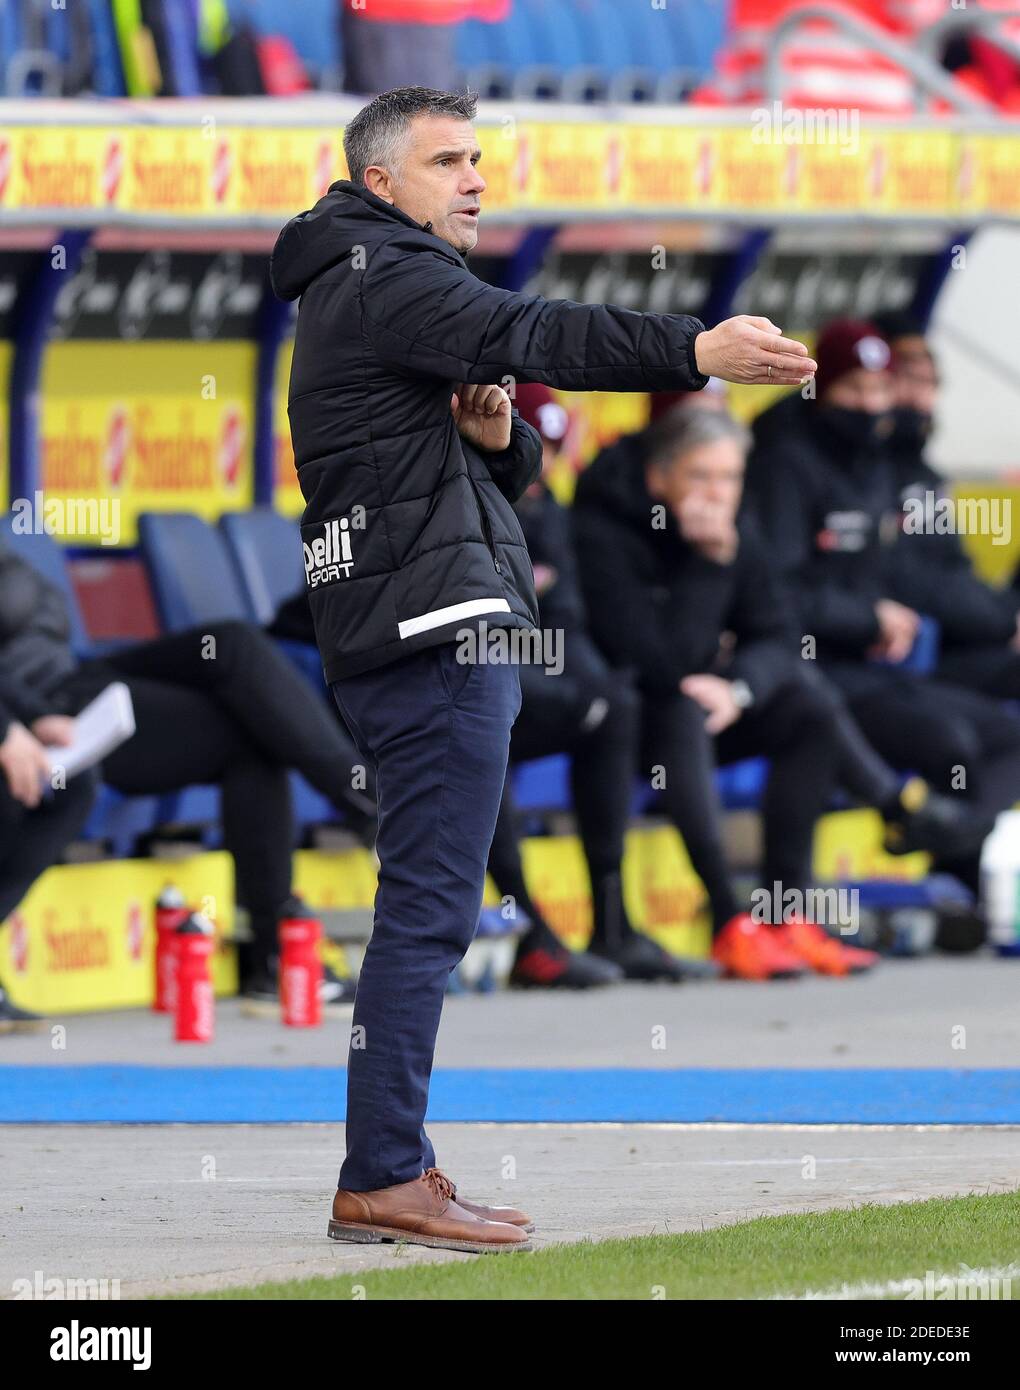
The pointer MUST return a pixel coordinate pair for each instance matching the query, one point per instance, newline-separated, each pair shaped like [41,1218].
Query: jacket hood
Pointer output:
[616,481]
[344,217]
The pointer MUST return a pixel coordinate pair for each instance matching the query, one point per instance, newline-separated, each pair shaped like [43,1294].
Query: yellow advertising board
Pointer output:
[226,172]
[149,426]
[83,937]
[287,497]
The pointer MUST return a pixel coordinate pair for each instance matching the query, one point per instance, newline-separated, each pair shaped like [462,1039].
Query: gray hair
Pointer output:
[682,430]
[377,132]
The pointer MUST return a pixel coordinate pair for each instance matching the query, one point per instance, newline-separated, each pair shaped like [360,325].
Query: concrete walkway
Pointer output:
[164,1208]
[177,1208]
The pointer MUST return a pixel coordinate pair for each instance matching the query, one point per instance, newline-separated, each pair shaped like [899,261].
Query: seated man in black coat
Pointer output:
[828,498]
[979,626]
[681,593]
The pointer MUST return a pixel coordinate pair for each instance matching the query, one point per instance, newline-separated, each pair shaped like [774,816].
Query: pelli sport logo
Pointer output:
[329,556]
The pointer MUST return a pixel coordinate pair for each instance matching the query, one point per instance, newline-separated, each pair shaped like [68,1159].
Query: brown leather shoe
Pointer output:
[510,1215]
[421,1212]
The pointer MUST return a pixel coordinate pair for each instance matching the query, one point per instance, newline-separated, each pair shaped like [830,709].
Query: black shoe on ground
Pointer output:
[15,1020]
[924,820]
[641,958]
[554,967]
[261,987]
[334,990]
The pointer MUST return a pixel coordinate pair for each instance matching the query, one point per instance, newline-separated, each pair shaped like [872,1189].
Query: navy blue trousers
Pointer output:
[437,732]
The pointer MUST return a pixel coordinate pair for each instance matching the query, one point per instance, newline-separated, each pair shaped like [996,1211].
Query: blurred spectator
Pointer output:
[406,43]
[824,490]
[591,712]
[35,828]
[219,705]
[979,627]
[679,590]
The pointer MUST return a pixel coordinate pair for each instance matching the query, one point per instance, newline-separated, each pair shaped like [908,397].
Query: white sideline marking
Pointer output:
[891,1287]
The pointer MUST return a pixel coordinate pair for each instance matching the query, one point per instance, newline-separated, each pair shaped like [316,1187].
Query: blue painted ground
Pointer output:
[279,1095]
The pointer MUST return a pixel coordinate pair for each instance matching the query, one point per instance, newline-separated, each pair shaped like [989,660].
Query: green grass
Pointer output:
[755,1259]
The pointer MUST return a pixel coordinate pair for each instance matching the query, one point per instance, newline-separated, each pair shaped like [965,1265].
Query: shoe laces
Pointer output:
[440,1184]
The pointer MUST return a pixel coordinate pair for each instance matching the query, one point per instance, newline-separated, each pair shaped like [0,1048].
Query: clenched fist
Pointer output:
[752,351]
[482,415]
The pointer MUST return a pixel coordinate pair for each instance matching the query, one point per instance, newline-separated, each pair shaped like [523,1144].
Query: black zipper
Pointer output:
[483,517]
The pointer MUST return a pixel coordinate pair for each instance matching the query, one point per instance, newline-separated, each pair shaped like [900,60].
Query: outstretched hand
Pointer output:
[752,351]
[482,415]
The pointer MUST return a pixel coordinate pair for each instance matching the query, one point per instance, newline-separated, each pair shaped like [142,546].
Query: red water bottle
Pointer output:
[193,1009]
[171,911]
[300,967]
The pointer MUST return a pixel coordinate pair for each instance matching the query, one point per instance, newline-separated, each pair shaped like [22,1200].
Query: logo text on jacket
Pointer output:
[329,557]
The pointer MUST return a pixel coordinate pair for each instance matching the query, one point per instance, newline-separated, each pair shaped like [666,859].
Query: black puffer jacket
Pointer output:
[409,533]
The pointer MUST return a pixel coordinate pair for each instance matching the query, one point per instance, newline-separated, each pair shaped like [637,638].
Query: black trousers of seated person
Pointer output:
[592,713]
[991,670]
[797,730]
[221,705]
[963,742]
[34,838]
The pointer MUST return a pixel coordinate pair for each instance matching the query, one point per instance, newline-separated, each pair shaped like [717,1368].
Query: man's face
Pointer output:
[916,382]
[872,392]
[707,473]
[436,179]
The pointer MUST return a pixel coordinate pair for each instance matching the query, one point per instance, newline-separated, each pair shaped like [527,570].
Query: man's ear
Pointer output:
[378,181]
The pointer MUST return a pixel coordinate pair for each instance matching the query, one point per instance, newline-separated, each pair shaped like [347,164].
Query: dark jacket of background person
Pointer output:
[658,606]
[936,574]
[390,320]
[35,643]
[549,533]
[833,515]
[830,513]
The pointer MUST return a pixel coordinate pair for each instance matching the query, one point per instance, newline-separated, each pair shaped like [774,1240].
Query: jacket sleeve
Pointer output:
[20,701]
[516,467]
[934,575]
[6,720]
[426,312]
[780,501]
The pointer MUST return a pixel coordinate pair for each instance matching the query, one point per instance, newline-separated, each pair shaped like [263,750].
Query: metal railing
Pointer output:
[929,77]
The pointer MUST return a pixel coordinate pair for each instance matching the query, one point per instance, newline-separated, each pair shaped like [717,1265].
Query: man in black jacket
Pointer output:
[680,592]
[827,496]
[409,457]
[979,627]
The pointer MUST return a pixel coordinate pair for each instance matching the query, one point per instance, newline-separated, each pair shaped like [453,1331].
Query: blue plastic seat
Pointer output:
[192,575]
[265,548]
